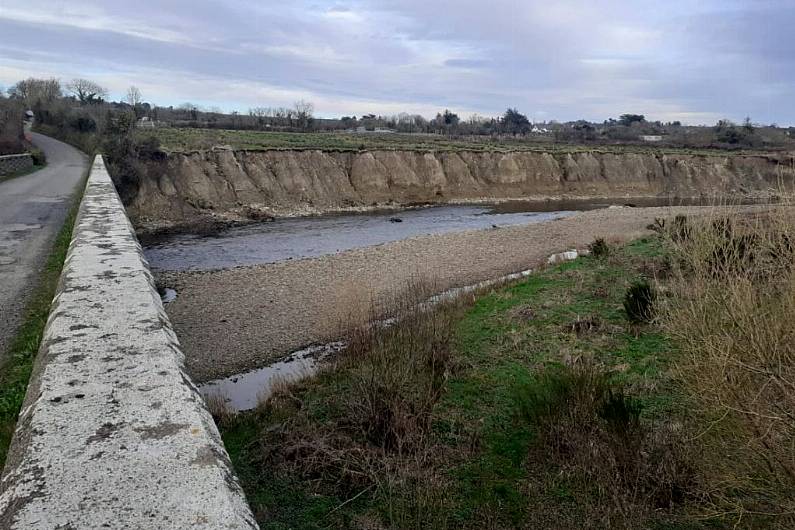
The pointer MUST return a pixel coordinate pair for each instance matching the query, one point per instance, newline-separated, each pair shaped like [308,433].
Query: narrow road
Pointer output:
[32,211]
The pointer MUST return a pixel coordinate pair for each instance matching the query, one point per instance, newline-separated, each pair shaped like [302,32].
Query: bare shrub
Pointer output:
[374,437]
[599,248]
[680,229]
[400,371]
[590,428]
[657,226]
[732,310]
[639,302]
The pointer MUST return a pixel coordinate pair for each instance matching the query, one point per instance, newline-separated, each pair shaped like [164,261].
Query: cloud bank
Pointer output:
[676,60]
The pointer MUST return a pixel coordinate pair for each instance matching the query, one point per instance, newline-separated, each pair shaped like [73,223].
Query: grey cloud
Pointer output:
[565,60]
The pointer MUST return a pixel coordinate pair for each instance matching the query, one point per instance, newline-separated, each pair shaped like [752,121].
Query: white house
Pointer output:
[146,123]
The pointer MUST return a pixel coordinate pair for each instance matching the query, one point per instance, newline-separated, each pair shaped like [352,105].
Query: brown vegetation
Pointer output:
[378,441]
[732,310]
[591,428]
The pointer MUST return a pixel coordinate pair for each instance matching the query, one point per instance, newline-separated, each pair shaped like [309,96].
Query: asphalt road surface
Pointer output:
[32,211]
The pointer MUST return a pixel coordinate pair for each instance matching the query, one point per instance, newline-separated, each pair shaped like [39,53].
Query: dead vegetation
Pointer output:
[732,311]
[375,441]
[591,429]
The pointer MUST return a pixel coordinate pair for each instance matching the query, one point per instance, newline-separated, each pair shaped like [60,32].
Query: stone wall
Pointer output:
[14,163]
[112,433]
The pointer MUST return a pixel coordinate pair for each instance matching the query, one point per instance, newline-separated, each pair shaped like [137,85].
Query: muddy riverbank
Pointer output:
[233,320]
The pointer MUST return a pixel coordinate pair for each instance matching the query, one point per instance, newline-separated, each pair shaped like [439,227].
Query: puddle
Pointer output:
[19,227]
[244,391]
[168,295]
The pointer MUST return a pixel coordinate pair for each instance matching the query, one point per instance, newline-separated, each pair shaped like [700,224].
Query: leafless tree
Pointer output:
[133,96]
[86,91]
[32,91]
[260,113]
[284,116]
[191,109]
[303,113]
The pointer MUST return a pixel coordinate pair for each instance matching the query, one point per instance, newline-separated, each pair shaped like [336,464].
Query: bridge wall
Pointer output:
[113,434]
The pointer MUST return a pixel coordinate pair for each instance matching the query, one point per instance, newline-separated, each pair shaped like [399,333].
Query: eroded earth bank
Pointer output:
[183,189]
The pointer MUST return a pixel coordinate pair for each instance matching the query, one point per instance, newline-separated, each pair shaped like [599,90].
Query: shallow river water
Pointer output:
[305,237]
[296,238]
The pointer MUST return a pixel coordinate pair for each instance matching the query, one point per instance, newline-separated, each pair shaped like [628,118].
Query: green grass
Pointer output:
[480,443]
[191,139]
[18,360]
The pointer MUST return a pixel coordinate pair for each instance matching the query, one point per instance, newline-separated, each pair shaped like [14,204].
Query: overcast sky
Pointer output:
[689,60]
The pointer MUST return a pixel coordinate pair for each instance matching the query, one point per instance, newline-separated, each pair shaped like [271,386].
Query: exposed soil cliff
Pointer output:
[252,184]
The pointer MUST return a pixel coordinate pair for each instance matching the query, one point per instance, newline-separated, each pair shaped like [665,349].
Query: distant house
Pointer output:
[363,130]
[29,115]
[651,137]
[539,130]
[146,123]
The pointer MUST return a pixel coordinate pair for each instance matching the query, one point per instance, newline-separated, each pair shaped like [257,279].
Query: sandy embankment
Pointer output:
[233,320]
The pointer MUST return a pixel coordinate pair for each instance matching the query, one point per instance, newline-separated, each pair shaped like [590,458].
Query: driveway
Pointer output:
[32,211]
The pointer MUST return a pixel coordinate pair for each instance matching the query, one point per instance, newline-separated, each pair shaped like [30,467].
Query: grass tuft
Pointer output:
[639,302]
[591,429]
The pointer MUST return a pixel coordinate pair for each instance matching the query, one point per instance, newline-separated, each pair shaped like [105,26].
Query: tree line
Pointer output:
[79,110]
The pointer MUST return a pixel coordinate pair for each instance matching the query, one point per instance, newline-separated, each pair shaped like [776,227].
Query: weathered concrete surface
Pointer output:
[32,211]
[112,433]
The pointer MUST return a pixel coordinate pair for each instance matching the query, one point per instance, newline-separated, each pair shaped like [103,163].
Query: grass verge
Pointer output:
[18,360]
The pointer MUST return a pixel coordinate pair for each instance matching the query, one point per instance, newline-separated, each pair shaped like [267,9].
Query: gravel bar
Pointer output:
[234,320]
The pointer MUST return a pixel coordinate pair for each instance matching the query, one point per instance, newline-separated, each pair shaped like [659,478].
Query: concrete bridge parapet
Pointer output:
[113,434]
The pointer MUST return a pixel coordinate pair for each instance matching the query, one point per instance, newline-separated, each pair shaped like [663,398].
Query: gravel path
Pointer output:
[233,320]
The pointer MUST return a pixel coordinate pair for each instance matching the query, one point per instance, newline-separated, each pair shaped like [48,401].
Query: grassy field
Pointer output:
[19,359]
[188,139]
[537,405]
